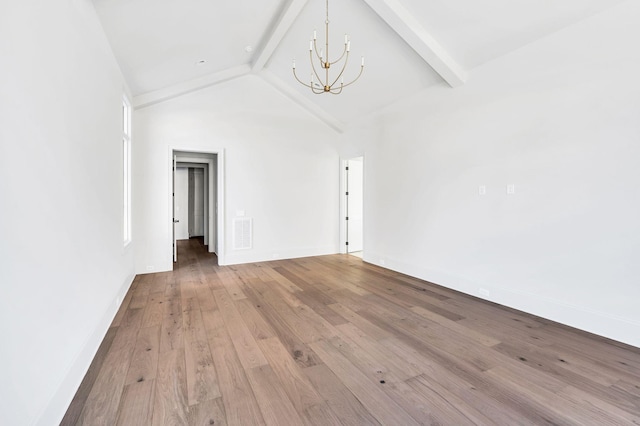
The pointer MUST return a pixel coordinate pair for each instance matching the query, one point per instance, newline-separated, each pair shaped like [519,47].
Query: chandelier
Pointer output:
[318,84]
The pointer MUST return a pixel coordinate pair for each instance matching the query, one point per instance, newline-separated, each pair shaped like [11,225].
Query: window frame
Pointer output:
[126,170]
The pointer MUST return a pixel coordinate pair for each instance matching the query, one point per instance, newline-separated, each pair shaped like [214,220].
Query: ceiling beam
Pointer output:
[180,89]
[408,27]
[285,21]
[302,101]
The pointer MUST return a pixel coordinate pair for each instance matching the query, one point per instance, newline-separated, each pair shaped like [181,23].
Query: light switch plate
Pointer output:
[482,190]
[511,189]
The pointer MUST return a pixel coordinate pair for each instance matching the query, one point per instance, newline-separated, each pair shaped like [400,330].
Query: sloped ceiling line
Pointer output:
[287,18]
[391,11]
[150,98]
[414,34]
[302,101]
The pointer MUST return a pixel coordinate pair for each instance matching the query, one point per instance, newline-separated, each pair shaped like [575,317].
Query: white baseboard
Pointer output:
[250,256]
[601,323]
[57,407]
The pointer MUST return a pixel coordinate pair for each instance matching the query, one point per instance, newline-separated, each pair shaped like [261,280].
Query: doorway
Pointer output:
[181,202]
[196,200]
[190,198]
[353,184]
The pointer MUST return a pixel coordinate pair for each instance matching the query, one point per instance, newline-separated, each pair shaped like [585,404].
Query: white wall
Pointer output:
[559,119]
[281,169]
[62,261]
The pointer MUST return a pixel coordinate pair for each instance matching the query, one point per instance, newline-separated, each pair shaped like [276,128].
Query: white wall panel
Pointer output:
[557,119]
[63,267]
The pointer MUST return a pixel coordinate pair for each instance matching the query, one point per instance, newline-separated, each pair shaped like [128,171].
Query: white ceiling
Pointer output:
[409,45]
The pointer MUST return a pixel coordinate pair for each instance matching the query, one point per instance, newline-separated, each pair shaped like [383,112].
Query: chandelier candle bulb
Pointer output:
[348,46]
[315,35]
[362,64]
[346,39]
[294,64]
[311,46]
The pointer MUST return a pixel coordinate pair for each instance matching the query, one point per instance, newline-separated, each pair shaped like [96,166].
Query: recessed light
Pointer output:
[248,49]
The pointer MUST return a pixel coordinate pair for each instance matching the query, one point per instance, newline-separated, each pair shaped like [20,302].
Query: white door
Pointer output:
[181,205]
[355,201]
[197,203]
[173,207]
[212,205]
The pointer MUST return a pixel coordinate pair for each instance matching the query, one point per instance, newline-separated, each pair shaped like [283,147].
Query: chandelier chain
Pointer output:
[327,20]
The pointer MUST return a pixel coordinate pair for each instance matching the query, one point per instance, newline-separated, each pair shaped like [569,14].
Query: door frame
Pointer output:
[344,203]
[174,244]
[216,203]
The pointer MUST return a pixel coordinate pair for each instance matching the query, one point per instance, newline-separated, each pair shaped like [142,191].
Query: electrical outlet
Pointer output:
[511,189]
[482,190]
[149,267]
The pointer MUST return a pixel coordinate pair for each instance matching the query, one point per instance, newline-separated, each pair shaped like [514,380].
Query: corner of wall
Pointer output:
[600,323]
[75,373]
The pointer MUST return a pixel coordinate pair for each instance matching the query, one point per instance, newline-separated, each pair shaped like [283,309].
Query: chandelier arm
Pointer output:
[313,68]
[317,91]
[344,66]
[336,91]
[315,48]
[356,79]
[344,52]
[300,81]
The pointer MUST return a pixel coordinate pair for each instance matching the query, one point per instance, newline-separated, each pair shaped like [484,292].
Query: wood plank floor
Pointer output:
[332,340]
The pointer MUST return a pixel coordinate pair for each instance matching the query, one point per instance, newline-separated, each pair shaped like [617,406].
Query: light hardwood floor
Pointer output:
[332,340]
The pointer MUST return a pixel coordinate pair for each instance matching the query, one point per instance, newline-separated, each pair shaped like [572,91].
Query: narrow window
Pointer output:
[126,170]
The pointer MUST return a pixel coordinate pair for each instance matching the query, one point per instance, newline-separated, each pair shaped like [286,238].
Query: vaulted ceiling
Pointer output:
[167,48]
